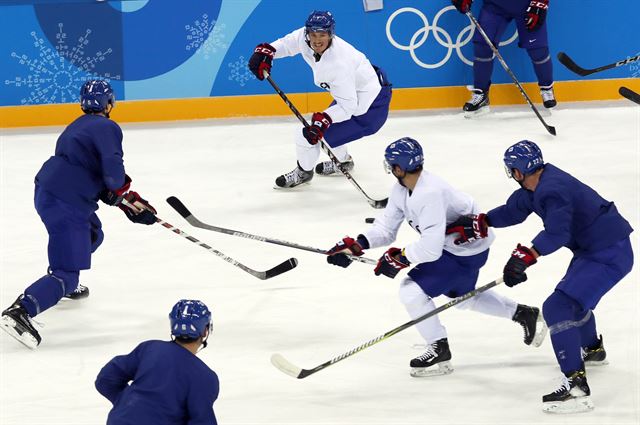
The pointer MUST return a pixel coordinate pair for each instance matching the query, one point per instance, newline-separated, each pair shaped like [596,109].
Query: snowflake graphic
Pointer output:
[205,37]
[240,71]
[55,76]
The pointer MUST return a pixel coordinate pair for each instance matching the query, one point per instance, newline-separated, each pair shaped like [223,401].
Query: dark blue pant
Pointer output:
[569,309]
[363,125]
[450,274]
[494,21]
[73,236]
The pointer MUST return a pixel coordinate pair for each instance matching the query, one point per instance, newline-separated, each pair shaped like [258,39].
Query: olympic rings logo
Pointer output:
[440,34]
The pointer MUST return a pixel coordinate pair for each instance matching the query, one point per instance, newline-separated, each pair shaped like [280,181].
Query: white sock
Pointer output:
[491,303]
[306,153]
[417,304]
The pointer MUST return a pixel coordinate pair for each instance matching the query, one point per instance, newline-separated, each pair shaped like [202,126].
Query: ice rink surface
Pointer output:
[224,171]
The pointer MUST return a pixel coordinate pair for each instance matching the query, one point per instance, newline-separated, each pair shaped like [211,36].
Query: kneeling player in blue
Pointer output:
[361,94]
[87,166]
[164,382]
[495,15]
[576,217]
[445,263]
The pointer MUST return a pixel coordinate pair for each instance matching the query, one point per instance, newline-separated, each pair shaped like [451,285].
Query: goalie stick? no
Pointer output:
[572,66]
[177,205]
[373,202]
[290,369]
[283,267]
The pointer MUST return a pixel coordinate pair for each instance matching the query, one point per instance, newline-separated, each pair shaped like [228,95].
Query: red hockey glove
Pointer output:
[114,197]
[463,6]
[521,258]
[137,209]
[347,245]
[261,59]
[391,263]
[470,227]
[536,13]
[320,121]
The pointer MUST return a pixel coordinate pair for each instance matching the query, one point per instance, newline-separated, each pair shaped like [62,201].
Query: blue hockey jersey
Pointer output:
[574,215]
[171,386]
[510,7]
[87,160]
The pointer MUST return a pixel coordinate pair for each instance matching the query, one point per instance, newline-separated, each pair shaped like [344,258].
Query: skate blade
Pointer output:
[443,368]
[292,188]
[574,405]
[9,326]
[475,114]
[596,363]
[541,331]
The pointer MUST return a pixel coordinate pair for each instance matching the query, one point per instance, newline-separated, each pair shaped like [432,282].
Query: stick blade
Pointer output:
[283,267]
[177,205]
[551,129]
[571,65]
[285,366]
[629,94]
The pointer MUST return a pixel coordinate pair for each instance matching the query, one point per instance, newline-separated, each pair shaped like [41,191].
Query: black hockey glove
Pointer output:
[261,59]
[114,197]
[514,271]
[470,227]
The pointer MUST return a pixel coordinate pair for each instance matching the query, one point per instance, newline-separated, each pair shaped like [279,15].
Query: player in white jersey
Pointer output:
[360,91]
[446,262]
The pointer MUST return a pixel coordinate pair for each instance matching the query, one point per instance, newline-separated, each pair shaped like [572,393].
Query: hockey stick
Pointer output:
[572,66]
[290,369]
[551,129]
[630,94]
[373,202]
[177,205]
[283,267]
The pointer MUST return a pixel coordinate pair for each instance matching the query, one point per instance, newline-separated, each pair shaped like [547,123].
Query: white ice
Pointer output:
[224,171]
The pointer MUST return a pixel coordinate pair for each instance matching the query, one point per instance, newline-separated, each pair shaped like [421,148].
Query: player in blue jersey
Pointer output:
[530,21]
[87,166]
[164,382]
[361,94]
[576,217]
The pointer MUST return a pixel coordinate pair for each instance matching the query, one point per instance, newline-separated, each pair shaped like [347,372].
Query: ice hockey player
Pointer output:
[576,217]
[87,166]
[361,94]
[164,382]
[494,17]
[444,262]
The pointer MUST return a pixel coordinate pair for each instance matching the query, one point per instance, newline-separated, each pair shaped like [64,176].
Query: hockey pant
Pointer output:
[73,237]
[568,311]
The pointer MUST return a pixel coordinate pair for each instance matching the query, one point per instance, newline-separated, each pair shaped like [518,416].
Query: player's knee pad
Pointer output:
[561,312]
[68,280]
[539,55]
[411,294]
[482,52]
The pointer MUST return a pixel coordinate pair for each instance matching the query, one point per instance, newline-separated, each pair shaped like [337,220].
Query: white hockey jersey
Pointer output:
[342,70]
[432,206]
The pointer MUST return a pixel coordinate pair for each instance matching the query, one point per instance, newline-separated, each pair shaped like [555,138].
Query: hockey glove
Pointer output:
[261,59]
[391,263]
[114,197]
[521,258]
[337,255]
[320,121]
[463,6]
[535,14]
[470,227]
[137,209]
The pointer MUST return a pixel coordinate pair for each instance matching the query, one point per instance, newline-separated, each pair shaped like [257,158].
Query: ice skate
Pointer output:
[530,318]
[573,396]
[595,356]
[16,322]
[80,292]
[548,97]
[477,105]
[434,362]
[294,178]
[328,168]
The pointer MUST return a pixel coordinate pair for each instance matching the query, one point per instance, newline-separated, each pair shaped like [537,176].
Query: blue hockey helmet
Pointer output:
[320,21]
[95,95]
[406,153]
[524,156]
[189,319]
